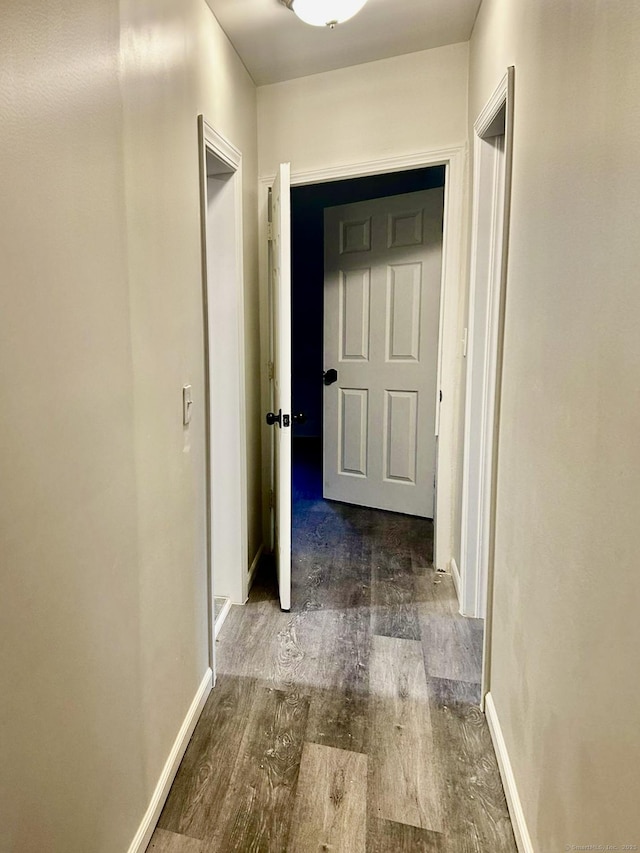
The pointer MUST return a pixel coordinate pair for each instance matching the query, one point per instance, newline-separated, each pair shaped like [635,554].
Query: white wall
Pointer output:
[403,105]
[566,631]
[103,611]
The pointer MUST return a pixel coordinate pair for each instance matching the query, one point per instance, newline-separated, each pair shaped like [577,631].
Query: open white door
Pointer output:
[382,279]
[280,416]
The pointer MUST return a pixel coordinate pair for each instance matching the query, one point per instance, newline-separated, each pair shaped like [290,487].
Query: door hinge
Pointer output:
[270,369]
[440,396]
[270,231]
[271,502]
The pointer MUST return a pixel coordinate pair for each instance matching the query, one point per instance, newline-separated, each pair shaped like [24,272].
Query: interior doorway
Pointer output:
[308,206]
[448,447]
[492,162]
[223,289]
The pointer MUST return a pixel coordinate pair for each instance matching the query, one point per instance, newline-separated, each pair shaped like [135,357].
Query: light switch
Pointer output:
[187,402]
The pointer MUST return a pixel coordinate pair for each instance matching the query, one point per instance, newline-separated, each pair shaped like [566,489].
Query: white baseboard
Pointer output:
[520,830]
[226,607]
[455,574]
[253,568]
[146,828]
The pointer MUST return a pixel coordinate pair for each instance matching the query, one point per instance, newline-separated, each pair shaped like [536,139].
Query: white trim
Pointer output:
[450,331]
[253,568]
[221,147]
[493,106]
[266,358]
[235,557]
[150,819]
[486,275]
[455,574]
[516,812]
[489,238]
[226,607]
[438,157]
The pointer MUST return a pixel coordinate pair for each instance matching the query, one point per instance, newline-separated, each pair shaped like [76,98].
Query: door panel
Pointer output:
[353,431]
[355,287]
[355,236]
[401,409]
[280,282]
[403,312]
[382,295]
[404,229]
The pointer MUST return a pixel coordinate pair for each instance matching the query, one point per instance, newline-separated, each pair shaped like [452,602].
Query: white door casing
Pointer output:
[280,292]
[452,322]
[493,137]
[492,167]
[383,263]
[484,306]
[223,297]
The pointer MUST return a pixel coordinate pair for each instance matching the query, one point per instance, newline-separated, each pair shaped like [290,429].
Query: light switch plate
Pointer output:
[187,403]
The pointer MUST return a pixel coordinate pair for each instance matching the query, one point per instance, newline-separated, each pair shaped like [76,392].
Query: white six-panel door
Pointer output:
[381,315]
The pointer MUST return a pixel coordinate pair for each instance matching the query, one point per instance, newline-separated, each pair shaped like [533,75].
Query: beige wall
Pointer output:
[404,105]
[401,106]
[103,630]
[566,631]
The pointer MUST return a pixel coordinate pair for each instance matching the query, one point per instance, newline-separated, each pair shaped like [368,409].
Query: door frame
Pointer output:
[490,217]
[449,366]
[226,471]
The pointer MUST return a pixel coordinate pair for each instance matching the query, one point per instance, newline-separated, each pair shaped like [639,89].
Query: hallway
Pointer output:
[351,723]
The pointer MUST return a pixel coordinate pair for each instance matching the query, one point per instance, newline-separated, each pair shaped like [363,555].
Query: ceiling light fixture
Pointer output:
[324,13]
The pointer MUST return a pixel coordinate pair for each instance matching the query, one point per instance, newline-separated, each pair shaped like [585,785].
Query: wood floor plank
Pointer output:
[474,806]
[333,633]
[434,592]
[249,644]
[338,710]
[169,842]
[452,647]
[386,836]
[393,611]
[339,647]
[331,802]
[403,776]
[205,771]
[419,537]
[255,814]
[330,562]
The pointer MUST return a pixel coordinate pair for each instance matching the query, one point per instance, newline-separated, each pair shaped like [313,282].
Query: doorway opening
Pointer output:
[361,200]
[223,289]
[308,204]
[449,357]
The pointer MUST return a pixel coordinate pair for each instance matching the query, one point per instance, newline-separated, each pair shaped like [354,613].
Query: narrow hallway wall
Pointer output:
[402,105]
[566,632]
[103,612]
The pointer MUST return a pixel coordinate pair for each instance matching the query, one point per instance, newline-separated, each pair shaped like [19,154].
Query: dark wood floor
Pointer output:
[351,723]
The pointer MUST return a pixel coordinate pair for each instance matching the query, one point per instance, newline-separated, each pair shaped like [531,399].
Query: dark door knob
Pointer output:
[280,419]
[330,376]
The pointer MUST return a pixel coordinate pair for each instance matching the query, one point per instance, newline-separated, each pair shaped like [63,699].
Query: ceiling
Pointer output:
[275,45]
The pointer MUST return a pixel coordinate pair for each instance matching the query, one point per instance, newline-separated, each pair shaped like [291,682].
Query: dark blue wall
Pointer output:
[307,227]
